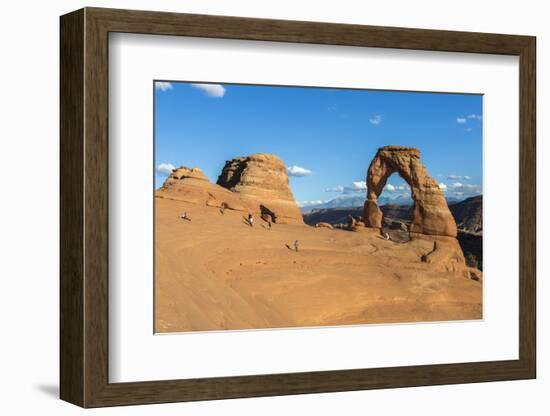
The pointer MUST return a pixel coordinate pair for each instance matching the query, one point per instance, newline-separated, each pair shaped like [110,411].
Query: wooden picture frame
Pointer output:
[84,207]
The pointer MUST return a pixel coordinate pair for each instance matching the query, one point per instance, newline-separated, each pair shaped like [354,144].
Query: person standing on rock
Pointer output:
[351,222]
[222,208]
[296,246]
[251,220]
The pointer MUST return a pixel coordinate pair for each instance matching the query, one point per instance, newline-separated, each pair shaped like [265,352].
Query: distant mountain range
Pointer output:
[469,214]
[358,201]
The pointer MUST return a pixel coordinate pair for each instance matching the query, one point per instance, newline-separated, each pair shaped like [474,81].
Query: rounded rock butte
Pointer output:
[256,184]
[261,180]
[431,214]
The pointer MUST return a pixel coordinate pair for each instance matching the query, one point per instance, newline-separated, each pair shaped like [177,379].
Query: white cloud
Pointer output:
[376,120]
[212,90]
[313,202]
[338,188]
[165,168]
[468,187]
[396,192]
[460,190]
[163,86]
[359,185]
[298,171]
[464,120]
[459,177]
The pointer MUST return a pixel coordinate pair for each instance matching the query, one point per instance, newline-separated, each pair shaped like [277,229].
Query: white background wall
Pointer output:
[29,206]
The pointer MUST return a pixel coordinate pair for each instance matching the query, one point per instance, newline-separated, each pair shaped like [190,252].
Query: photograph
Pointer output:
[290,206]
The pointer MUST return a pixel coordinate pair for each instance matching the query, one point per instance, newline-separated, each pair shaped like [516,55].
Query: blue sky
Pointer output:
[327,137]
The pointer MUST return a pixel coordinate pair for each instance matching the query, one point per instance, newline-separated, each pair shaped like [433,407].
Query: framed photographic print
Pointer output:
[256,207]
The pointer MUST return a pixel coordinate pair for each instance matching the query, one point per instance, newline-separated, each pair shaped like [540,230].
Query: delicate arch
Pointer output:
[431,214]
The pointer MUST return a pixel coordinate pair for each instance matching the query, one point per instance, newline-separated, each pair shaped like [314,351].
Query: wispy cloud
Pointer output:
[165,168]
[359,185]
[397,189]
[298,171]
[163,86]
[211,90]
[303,204]
[402,191]
[459,177]
[338,188]
[466,119]
[466,186]
[376,120]
[463,190]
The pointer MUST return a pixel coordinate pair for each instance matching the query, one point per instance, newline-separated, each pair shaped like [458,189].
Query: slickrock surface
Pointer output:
[215,272]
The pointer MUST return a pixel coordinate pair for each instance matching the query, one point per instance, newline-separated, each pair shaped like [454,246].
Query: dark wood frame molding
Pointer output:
[84,207]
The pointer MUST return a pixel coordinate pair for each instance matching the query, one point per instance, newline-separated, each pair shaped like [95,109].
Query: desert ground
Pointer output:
[216,272]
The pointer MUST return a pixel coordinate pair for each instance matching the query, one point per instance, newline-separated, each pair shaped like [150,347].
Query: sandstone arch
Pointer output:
[431,214]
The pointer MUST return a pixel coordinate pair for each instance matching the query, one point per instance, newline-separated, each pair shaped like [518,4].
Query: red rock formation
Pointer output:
[192,185]
[184,172]
[261,180]
[256,184]
[431,214]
